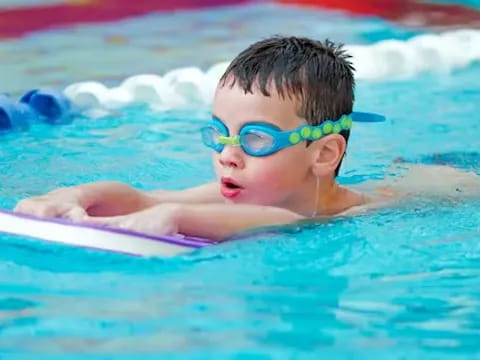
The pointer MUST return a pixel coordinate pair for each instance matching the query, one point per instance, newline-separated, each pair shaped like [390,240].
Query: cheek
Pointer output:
[281,171]
[264,172]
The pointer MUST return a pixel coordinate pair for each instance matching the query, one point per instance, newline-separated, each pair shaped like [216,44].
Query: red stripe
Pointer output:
[17,22]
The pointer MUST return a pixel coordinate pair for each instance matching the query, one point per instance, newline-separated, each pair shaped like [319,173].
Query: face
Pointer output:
[280,179]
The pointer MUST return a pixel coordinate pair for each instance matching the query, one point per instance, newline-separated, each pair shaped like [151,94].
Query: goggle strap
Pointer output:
[367,117]
[328,127]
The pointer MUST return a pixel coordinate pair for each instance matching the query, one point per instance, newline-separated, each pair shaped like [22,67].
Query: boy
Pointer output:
[277,171]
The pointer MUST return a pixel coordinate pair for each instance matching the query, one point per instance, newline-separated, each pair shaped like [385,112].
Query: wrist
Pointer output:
[75,194]
[177,213]
[84,197]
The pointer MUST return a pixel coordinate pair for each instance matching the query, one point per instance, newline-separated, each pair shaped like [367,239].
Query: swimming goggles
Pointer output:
[262,139]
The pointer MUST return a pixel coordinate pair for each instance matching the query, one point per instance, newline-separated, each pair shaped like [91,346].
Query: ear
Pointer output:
[327,154]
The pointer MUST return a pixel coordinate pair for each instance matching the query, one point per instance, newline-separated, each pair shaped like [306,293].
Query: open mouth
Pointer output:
[230,188]
[230,184]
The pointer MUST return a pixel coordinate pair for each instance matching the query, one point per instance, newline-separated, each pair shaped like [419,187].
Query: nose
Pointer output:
[231,156]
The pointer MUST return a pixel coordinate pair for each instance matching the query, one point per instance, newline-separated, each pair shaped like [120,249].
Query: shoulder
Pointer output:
[423,180]
[348,201]
[434,180]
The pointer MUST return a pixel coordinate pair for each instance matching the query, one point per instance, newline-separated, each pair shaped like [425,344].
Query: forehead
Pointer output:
[235,107]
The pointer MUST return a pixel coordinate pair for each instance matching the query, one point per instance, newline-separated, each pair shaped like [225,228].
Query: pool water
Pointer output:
[401,283]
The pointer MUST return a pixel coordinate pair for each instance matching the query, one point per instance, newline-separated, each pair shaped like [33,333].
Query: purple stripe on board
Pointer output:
[189,241]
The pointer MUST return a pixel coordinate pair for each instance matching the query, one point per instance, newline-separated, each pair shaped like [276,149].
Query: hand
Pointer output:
[158,220]
[60,203]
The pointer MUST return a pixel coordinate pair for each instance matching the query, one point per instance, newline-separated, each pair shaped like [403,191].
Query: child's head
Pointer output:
[285,82]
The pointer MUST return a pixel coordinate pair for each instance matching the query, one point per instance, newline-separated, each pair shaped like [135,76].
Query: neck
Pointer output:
[328,197]
[314,198]
[333,199]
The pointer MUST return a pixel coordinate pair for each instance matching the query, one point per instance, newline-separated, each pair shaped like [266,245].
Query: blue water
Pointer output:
[403,283]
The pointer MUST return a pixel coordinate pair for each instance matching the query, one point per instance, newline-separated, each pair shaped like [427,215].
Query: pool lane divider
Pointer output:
[39,105]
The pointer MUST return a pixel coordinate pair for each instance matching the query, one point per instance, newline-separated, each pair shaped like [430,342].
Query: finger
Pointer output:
[75,214]
[28,203]
[38,210]
[98,220]
[23,206]
[46,211]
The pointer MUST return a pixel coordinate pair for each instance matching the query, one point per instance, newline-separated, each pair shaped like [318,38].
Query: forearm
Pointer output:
[220,221]
[202,194]
[108,198]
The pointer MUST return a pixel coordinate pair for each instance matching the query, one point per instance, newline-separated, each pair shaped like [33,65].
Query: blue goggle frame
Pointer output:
[216,135]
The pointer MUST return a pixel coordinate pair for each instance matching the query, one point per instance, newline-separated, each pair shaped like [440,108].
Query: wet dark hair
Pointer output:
[317,74]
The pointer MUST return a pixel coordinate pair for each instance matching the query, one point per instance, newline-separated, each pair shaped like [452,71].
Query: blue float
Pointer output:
[50,105]
[40,105]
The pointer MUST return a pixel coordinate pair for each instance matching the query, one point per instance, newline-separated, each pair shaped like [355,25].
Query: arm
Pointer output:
[111,199]
[211,221]
[220,221]
[99,198]
[108,198]
[115,198]
[202,194]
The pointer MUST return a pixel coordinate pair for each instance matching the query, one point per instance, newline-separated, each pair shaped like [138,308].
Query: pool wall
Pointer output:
[23,16]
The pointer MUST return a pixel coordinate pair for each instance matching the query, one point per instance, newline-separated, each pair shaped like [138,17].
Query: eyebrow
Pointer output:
[216,117]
